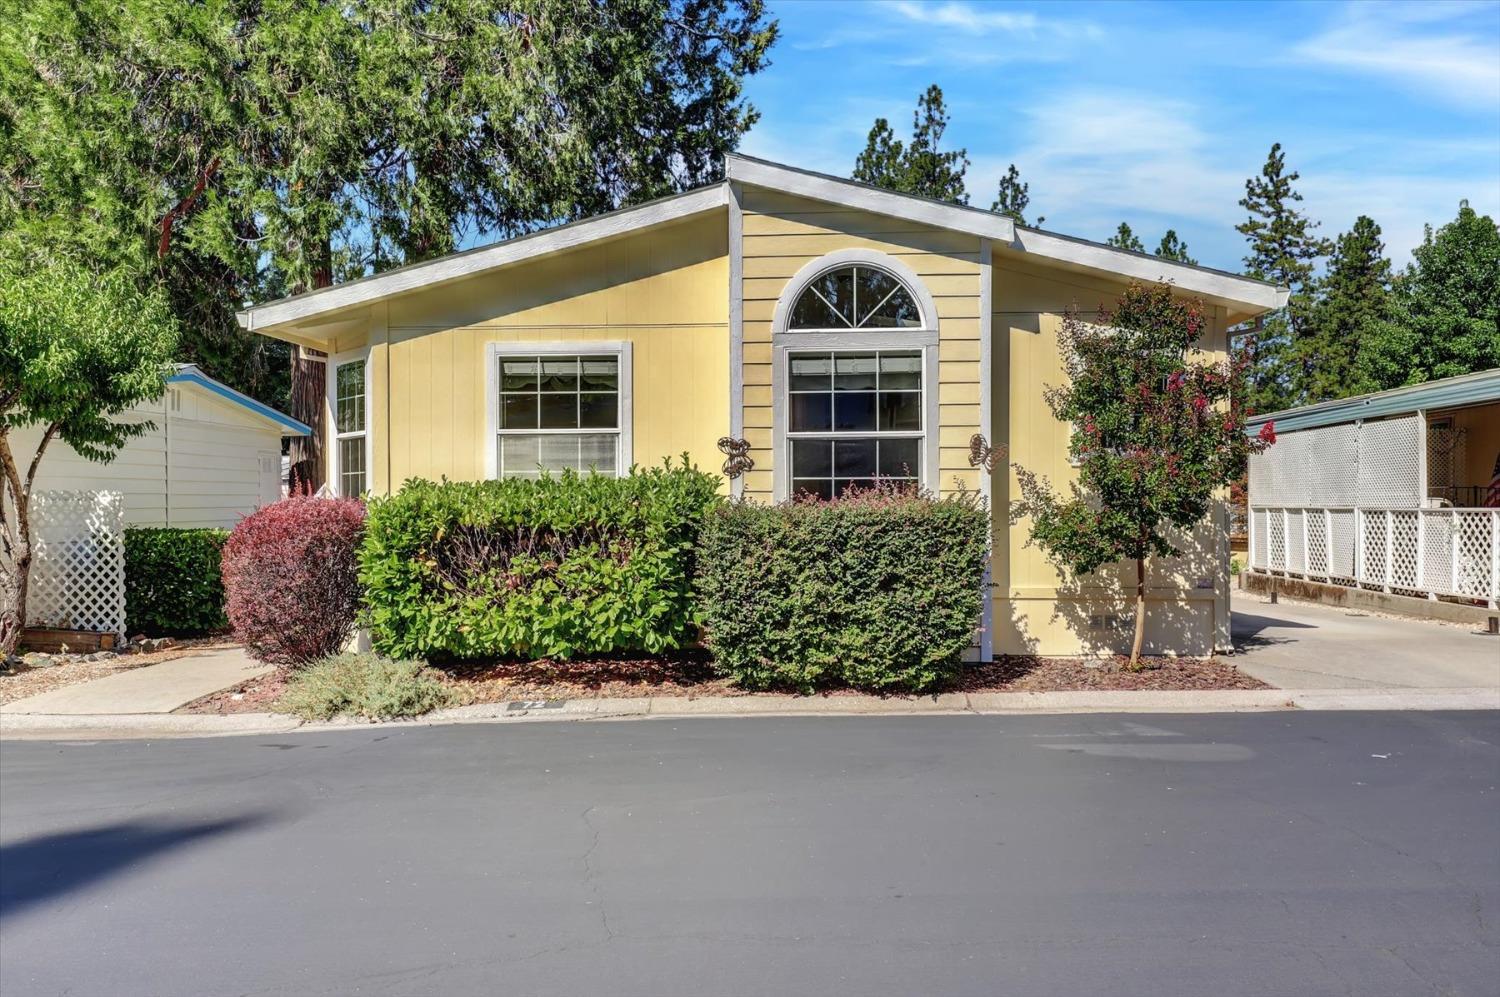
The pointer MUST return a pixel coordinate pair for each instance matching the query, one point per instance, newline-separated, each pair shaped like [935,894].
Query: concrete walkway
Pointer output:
[153,689]
[1305,646]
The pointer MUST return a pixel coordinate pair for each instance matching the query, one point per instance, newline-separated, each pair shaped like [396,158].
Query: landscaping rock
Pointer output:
[35,660]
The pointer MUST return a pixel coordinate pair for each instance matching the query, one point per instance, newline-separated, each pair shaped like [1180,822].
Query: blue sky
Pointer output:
[1156,113]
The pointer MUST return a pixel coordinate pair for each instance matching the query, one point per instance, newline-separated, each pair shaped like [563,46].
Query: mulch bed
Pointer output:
[692,676]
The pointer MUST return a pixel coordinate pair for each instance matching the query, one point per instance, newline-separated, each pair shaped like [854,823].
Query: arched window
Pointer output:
[855,297]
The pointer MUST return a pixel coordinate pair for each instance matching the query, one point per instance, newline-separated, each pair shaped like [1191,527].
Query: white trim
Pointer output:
[736,325]
[1095,256]
[494,351]
[331,433]
[986,428]
[849,193]
[458,265]
[783,340]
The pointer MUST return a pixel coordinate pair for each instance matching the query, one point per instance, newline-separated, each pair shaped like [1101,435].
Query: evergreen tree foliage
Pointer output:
[1173,248]
[1446,315]
[1283,250]
[919,166]
[1124,238]
[1352,306]
[1013,197]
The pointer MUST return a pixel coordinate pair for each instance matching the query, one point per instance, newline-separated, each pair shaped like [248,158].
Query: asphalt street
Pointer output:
[1269,853]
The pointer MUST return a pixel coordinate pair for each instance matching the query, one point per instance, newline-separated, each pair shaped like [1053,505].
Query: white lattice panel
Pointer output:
[78,567]
[1373,563]
[1403,551]
[1276,542]
[1317,542]
[1388,463]
[1296,556]
[1341,544]
[1476,569]
[1437,552]
[1258,538]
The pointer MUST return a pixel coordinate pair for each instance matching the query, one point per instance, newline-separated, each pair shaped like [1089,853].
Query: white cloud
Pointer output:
[1449,50]
[966,18]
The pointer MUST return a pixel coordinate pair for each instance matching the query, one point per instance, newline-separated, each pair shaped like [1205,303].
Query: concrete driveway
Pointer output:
[1305,646]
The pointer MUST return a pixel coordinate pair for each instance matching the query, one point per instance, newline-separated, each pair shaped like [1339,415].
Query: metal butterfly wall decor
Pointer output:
[737,456]
[981,454]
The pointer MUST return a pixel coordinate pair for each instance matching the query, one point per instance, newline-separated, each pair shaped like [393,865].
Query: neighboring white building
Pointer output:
[212,456]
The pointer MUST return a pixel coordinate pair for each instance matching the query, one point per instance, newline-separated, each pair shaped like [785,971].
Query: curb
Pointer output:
[115,726]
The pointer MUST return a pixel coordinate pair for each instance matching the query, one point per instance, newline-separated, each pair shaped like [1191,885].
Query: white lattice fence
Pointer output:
[78,567]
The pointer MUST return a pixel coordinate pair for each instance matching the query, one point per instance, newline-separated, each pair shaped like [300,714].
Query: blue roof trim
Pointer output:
[1478,388]
[225,391]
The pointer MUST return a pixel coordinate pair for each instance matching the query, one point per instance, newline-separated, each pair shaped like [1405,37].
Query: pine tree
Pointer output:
[1353,302]
[1173,248]
[1446,319]
[919,167]
[1124,238]
[1013,197]
[1284,250]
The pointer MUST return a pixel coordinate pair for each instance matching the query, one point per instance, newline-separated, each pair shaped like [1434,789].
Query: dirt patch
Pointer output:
[252,696]
[1025,673]
[24,681]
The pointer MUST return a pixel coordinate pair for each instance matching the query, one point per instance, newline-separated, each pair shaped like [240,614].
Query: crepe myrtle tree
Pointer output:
[1155,434]
[77,348]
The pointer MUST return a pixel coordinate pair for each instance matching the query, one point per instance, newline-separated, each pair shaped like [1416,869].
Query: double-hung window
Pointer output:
[853,417]
[557,412]
[349,428]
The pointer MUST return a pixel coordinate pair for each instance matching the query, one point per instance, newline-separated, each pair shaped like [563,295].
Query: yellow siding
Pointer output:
[1036,610]
[784,233]
[663,290]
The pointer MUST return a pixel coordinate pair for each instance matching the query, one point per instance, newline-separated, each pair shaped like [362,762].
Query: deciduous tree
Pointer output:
[1155,435]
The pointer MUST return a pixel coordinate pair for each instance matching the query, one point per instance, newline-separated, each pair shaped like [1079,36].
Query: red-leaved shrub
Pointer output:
[291,578]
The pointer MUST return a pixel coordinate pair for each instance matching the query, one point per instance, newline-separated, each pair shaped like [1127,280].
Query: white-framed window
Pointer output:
[556,407]
[854,372]
[853,416]
[351,416]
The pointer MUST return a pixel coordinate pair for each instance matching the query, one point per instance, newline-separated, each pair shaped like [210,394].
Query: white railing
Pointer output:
[1431,552]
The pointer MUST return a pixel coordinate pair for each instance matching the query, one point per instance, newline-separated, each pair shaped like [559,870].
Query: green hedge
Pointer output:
[879,590]
[172,582]
[557,567]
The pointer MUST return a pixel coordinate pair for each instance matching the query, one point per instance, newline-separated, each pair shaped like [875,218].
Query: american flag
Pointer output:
[1492,497]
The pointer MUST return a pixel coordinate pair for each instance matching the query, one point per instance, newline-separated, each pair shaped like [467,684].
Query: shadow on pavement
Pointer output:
[1247,629]
[36,869]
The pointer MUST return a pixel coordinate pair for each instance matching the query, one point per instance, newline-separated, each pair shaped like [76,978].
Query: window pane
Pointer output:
[872,288]
[811,372]
[842,485]
[854,372]
[518,374]
[519,456]
[352,466]
[899,458]
[837,289]
[854,411]
[518,411]
[900,410]
[898,312]
[812,458]
[601,374]
[558,452]
[598,450]
[598,411]
[812,312]
[559,373]
[854,458]
[559,412]
[350,397]
[816,487]
[900,370]
[811,413]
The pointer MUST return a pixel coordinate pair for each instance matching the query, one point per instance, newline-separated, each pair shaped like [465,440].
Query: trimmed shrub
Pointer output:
[364,685]
[172,581]
[880,589]
[291,578]
[556,567]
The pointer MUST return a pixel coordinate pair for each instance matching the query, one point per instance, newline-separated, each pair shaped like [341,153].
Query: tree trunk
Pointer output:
[15,544]
[309,388]
[1140,614]
[13,583]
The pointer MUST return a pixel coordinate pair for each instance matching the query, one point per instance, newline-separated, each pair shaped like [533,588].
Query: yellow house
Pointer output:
[830,331]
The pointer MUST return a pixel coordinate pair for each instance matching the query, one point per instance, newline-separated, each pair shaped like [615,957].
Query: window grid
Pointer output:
[557,411]
[350,429]
[880,437]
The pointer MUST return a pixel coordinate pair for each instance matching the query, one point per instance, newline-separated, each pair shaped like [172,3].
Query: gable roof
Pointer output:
[1250,295]
[188,373]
